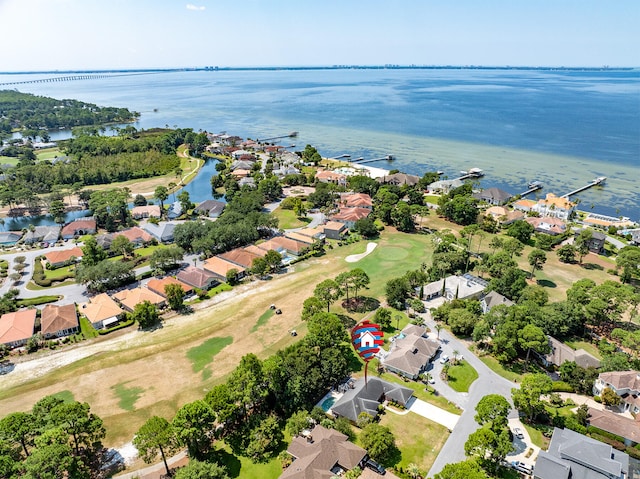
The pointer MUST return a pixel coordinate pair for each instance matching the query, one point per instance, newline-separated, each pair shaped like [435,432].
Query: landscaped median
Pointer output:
[461,375]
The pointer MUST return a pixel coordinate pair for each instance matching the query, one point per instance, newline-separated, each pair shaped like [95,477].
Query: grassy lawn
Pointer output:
[66,396]
[87,329]
[461,376]
[201,356]
[59,272]
[287,219]
[127,396]
[48,153]
[34,287]
[241,467]
[512,372]
[588,347]
[418,439]
[419,390]
[9,160]
[264,317]
[537,437]
[37,301]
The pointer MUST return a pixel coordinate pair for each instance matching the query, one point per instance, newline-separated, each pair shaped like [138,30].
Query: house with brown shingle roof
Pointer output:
[101,311]
[399,179]
[349,216]
[560,353]
[282,245]
[322,454]
[220,267]
[334,230]
[197,277]
[79,227]
[158,285]
[625,384]
[57,259]
[17,327]
[240,257]
[57,321]
[128,298]
[147,211]
[410,352]
[627,428]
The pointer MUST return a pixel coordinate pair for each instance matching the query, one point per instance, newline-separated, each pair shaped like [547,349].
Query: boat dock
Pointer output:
[533,186]
[362,160]
[598,181]
[472,173]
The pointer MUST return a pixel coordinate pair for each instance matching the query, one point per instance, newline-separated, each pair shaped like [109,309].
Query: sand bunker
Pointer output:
[357,257]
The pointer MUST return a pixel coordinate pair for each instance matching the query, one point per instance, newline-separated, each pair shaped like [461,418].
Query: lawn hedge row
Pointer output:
[41,280]
[123,324]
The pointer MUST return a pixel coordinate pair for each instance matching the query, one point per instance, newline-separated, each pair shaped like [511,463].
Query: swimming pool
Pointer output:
[327,403]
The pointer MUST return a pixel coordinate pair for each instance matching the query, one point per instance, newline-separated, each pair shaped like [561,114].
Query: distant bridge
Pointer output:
[69,78]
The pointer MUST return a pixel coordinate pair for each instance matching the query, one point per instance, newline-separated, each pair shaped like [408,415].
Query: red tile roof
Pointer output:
[17,326]
[158,285]
[58,318]
[57,257]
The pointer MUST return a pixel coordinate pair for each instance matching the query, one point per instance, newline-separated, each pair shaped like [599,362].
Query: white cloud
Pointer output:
[191,6]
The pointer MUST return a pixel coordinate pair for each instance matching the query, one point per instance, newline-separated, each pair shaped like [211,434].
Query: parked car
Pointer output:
[444,358]
[517,432]
[522,467]
[374,466]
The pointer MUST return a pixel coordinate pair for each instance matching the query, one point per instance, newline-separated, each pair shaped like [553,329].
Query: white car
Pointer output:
[444,358]
[517,432]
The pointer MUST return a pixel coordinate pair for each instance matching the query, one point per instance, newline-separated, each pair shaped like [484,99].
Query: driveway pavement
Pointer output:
[434,413]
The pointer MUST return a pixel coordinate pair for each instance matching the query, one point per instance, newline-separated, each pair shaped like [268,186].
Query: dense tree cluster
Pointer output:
[56,439]
[32,112]
[490,444]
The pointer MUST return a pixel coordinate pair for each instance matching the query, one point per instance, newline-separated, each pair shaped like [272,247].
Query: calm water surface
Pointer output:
[561,127]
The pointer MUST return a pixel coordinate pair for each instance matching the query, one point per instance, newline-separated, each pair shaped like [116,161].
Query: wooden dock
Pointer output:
[598,181]
[531,190]
[362,160]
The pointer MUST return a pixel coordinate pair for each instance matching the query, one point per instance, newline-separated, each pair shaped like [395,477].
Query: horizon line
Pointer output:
[321,67]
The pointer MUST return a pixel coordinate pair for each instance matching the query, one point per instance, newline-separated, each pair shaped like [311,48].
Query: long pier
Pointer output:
[359,161]
[598,181]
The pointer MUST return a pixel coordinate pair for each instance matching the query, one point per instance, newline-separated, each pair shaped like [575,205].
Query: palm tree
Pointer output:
[413,470]
[455,354]
[438,327]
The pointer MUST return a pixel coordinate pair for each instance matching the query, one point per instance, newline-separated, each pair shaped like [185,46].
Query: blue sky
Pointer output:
[102,34]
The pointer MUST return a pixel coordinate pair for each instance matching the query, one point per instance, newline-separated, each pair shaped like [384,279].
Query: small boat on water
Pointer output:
[535,184]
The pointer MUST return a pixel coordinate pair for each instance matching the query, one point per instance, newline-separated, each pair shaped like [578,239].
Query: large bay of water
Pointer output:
[563,128]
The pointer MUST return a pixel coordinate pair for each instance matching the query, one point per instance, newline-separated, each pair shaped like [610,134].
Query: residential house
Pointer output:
[596,242]
[504,216]
[524,205]
[547,224]
[316,234]
[101,311]
[17,327]
[493,196]
[627,428]
[297,236]
[158,286]
[555,206]
[575,456]
[210,208]
[256,250]
[240,257]
[604,221]
[493,299]
[284,245]
[366,397]
[240,153]
[147,211]
[197,277]
[444,186]
[326,176]
[163,231]
[136,235]
[220,267]
[44,234]
[9,238]
[635,237]
[349,216]
[334,230]
[284,170]
[175,210]
[625,384]
[242,165]
[57,321]
[321,454]
[410,352]
[399,179]
[356,200]
[561,353]
[57,259]
[79,227]
[129,298]
[466,286]
[247,181]
[240,173]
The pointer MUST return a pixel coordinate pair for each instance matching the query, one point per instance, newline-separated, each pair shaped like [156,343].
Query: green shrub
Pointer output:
[561,386]
[121,325]
[597,399]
